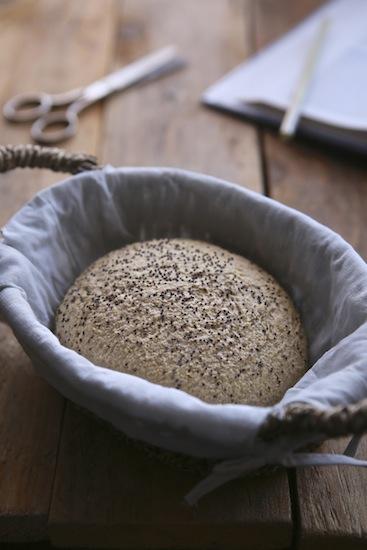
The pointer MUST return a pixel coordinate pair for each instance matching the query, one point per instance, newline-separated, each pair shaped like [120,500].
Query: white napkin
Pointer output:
[337,94]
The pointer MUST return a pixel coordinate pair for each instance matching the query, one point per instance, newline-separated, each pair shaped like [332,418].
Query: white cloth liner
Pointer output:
[67,226]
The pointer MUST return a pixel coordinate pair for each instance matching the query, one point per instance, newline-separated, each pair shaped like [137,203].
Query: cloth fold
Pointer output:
[232,469]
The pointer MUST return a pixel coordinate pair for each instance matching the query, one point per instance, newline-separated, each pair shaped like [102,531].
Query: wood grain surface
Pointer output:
[64,474]
[107,494]
[163,123]
[44,45]
[333,190]
[30,420]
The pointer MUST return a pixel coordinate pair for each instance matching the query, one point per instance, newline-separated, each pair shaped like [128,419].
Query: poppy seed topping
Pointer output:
[189,315]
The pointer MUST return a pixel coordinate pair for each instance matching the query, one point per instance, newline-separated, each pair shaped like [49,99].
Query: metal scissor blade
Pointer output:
[174,65]
[146,68]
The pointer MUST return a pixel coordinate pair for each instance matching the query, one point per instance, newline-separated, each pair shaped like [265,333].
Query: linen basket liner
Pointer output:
[64,228]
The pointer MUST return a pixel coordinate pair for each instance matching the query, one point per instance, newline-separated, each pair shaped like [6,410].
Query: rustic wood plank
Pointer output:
[30,423]
[52,45]
[107,494]
[332,500]
[163,123]
[333,504]
[110,495]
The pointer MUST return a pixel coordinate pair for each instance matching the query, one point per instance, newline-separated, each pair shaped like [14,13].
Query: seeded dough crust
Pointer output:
[188,315]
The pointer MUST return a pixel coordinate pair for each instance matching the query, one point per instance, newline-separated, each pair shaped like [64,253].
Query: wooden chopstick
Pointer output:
[293,113]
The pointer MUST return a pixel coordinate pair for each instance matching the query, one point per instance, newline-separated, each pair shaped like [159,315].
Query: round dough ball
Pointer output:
[189,315]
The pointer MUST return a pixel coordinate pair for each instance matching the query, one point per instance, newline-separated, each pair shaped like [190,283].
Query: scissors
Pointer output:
[52,127]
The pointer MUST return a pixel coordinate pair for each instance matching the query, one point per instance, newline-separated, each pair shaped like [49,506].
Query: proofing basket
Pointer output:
[64,228]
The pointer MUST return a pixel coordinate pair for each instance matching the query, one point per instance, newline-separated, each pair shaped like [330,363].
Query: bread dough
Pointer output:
[189,315]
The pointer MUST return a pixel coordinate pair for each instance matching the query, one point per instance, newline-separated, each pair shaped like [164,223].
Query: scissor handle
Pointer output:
[42,131]
[27,107]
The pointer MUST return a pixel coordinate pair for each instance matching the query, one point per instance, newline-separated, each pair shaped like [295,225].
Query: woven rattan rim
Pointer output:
[293,418]
[35,156]
[303,418]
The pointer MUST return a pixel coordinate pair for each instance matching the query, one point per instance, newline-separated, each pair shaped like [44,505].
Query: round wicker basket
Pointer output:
[325,404]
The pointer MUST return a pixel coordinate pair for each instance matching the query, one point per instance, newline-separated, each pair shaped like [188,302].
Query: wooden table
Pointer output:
[63,476]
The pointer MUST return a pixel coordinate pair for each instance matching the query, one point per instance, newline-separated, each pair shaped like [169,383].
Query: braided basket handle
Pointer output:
[35,156]
[298,418]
